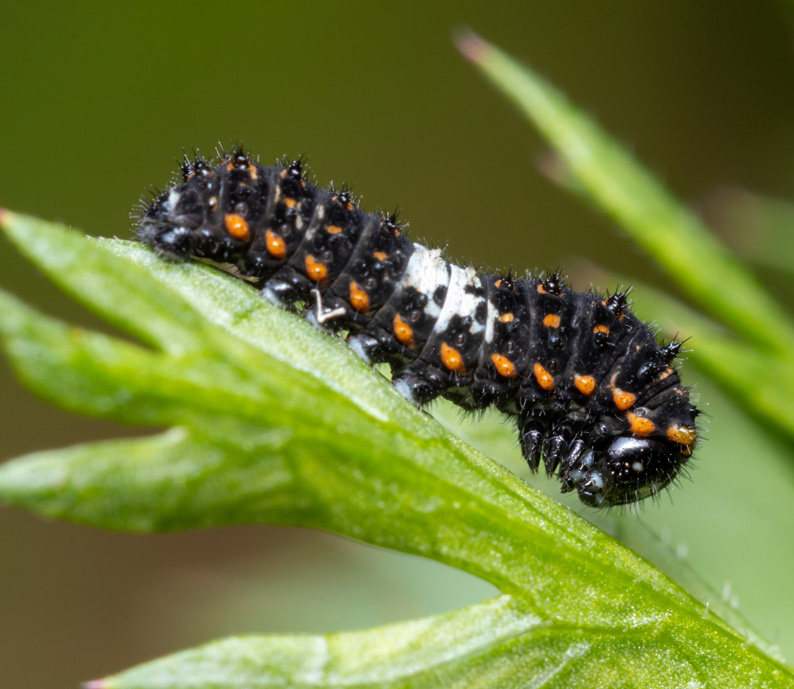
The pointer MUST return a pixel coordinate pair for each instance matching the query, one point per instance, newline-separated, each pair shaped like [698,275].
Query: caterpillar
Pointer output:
[596,399]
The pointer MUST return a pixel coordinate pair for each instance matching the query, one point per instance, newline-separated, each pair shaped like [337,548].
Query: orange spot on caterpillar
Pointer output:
[544,378]
[504,367]
[551,320]
[403,332]
[276,246]
[600,329]
[333,229]
[640,425]
[452,359]
[359,299]
[237,227]
[506,318]
[318,272]
[541,289]
[380,255]
[622,399]
[683,435]
[290,203]
[584,384]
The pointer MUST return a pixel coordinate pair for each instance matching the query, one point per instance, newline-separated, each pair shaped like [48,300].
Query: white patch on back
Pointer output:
[459,302]
[426,272]
[172,200]
[490,318]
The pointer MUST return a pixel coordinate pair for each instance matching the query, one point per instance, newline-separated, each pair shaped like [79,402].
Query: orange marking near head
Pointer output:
[318,272]
[276,246]
[506,318]
[359,299]
[541,289]
[230,167]
[640,425]
[452,359]
[403,332]
[380,255]
[544,378]
[504,367]
[283,173]
[290,203]
[622,399]
[237,227]
[683,435]
[252,171]
[333,229]
[551,320]
[498,283]
[584,384]
[600,329]
[664,374]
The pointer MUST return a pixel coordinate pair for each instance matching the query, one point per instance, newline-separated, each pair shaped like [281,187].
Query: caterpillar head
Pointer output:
[625,470]
[621,457]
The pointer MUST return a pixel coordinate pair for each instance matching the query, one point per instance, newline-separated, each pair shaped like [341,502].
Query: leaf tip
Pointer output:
[27,481]
[470,45]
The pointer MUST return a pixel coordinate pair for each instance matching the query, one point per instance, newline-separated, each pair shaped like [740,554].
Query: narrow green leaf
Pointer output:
[175,480]
[276,422]
[105,377]
[492,644]
[80,268]
[690,254]
[758,228]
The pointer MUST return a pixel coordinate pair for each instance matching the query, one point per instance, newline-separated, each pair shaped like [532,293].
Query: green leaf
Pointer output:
[492,644]
[693,258]
[456,649]
[275,422]
[758,228]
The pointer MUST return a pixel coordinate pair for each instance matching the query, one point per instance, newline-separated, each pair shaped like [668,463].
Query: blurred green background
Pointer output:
[96,106]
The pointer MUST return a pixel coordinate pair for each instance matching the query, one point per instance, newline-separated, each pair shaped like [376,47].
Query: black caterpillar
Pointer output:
[595,396]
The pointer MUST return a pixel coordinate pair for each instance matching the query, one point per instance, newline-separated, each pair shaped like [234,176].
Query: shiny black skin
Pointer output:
[583,438]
